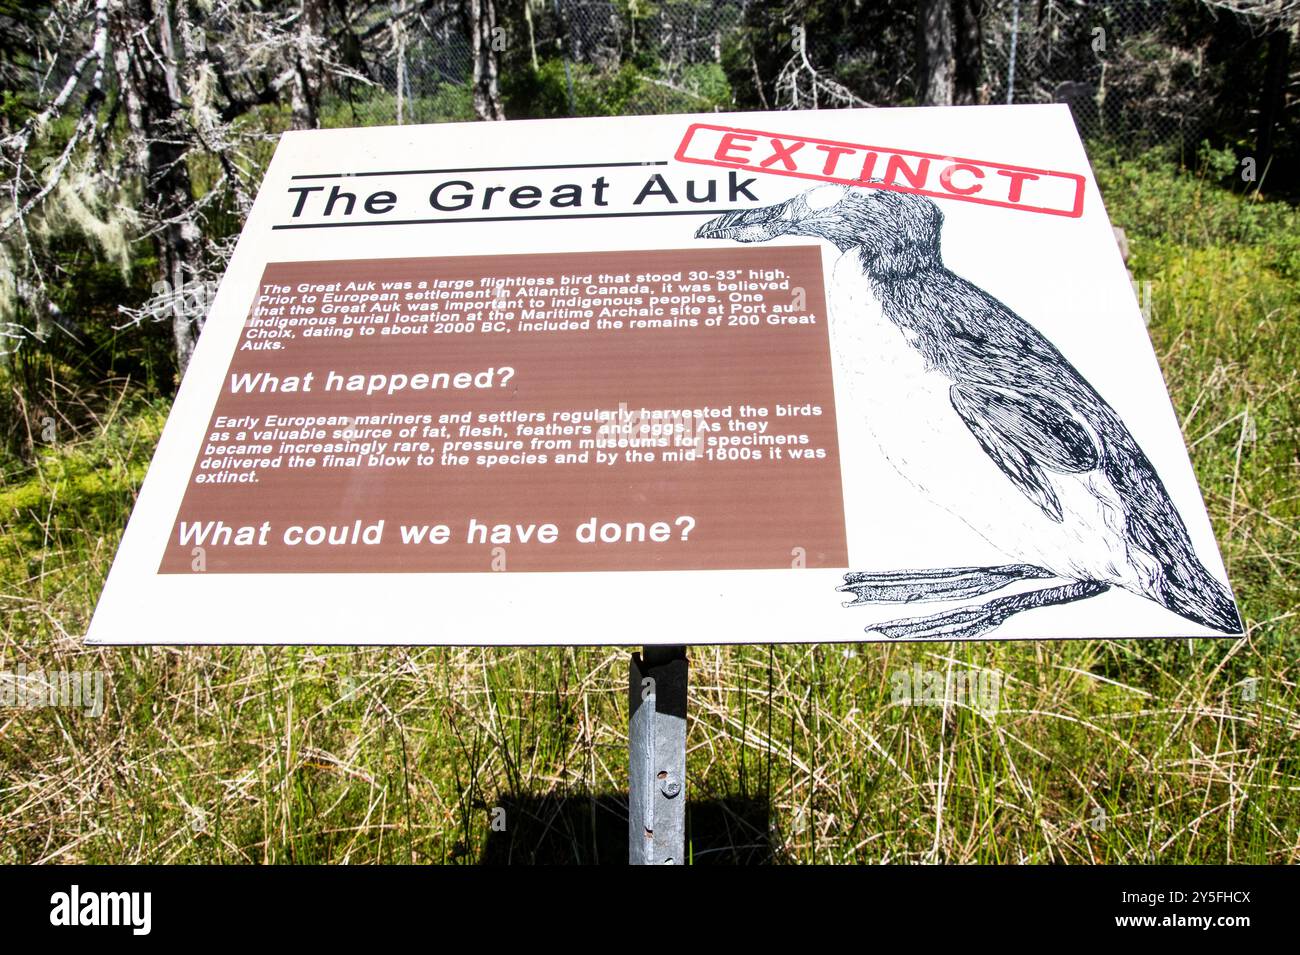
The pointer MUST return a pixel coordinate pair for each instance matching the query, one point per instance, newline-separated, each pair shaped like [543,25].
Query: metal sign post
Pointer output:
[657,684]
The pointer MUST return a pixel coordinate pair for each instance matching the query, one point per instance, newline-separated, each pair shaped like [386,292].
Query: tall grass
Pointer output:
[1115,752]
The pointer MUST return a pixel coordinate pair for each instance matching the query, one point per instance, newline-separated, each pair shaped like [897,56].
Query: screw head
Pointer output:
[672,788]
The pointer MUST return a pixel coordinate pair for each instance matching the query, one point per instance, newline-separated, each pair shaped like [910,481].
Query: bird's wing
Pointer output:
[1027,435]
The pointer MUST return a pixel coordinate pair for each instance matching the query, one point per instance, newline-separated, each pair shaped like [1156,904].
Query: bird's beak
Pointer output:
[750,225]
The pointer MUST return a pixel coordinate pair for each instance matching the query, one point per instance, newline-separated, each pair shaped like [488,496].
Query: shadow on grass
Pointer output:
[592,830]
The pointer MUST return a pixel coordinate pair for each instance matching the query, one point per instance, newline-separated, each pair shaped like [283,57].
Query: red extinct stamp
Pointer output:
[855,164]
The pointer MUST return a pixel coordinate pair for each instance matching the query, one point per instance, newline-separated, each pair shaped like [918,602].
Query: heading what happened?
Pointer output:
[373,383]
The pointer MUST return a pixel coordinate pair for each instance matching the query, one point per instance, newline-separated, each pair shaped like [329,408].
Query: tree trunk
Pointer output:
[934,56]
[304,96]
[481,17]
[149,75]
[969,51]
[1273,102]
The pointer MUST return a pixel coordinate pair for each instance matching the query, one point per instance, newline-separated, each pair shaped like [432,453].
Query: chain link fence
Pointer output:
[675,48]
[420,72]
[1122,65]
[1118,64]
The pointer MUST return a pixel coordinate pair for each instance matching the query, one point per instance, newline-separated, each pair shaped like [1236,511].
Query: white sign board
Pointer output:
[798,376]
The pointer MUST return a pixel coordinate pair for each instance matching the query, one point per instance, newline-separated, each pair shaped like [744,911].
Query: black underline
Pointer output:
[430,172]
[577,215]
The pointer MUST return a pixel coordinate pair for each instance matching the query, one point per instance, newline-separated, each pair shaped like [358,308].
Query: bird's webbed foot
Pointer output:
[966,623]
[950,583]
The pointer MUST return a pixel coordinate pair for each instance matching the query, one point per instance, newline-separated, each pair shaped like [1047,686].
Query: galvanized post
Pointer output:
[657,756]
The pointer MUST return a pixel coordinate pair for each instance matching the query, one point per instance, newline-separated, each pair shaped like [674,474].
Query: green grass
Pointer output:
[1115,752]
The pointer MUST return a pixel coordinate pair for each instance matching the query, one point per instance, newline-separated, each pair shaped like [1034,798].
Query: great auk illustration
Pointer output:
[972,405]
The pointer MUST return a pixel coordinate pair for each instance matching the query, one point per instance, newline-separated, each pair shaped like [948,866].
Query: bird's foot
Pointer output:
[951,583]
[967,623]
